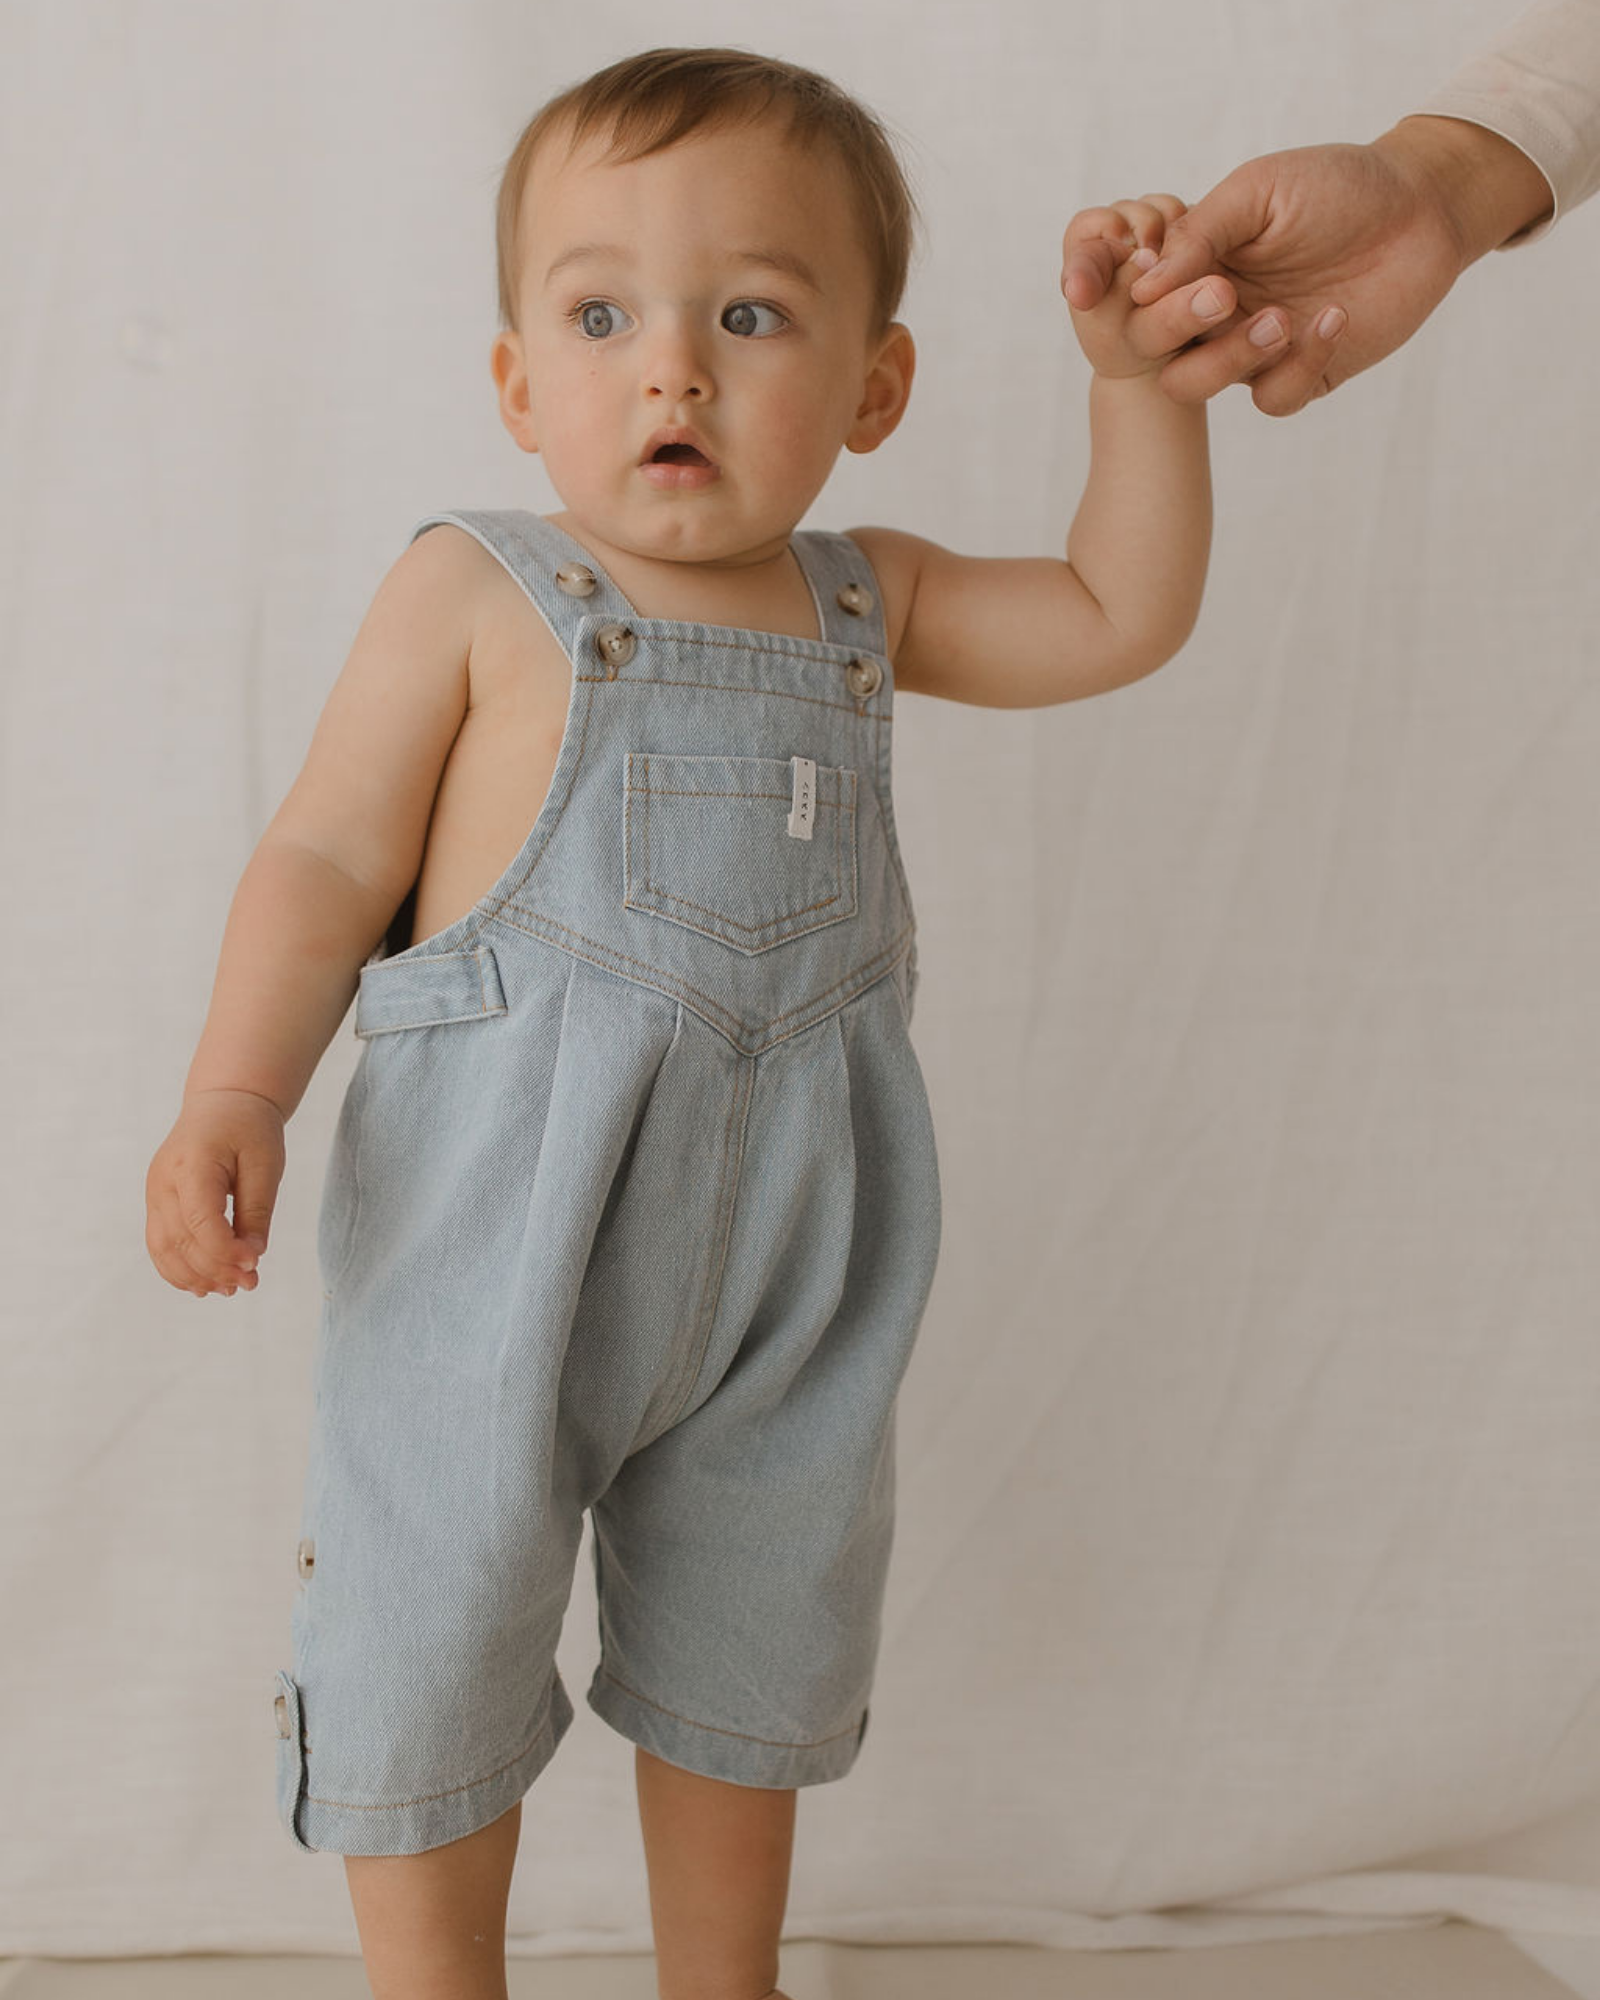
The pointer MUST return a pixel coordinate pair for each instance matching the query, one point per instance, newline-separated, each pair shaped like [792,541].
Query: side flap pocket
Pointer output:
[291,1756]
[425,992]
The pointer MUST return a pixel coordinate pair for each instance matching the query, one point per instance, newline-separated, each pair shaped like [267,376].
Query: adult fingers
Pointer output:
[1304,373]
[1233,213]
[1171,323]
[1283,371]
[1233,355]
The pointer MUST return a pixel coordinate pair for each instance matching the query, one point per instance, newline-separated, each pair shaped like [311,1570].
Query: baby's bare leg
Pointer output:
[718,1857]
[433,1925]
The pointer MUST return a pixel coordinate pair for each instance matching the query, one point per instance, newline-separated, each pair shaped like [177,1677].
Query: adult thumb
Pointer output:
[1234,213]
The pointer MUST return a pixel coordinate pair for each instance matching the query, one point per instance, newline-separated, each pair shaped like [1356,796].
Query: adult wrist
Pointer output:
[1483,188]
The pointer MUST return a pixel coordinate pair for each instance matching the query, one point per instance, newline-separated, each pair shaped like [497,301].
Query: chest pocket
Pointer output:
[708,845]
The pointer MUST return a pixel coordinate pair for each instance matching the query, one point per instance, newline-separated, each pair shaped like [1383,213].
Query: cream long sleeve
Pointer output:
[1538,85]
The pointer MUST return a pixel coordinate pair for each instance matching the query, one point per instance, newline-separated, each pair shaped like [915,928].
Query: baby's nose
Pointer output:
[676,369]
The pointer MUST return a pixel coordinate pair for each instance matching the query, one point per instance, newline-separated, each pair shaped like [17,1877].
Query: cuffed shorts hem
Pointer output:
[411,1826]
[722,1753]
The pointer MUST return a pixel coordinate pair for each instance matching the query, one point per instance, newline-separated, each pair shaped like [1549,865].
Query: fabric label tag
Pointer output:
[803,808]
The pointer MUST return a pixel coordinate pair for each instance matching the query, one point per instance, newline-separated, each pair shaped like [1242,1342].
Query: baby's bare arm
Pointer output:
[1025,631]
[313,903]
[297,934]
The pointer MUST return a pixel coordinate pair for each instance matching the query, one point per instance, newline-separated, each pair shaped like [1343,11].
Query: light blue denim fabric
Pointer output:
[633,1206]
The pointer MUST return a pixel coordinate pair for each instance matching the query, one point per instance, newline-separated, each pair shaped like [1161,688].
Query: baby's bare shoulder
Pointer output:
[511,651]
[451,567]
[365,792]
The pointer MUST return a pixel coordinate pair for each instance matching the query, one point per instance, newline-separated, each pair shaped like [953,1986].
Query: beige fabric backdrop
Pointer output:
[1250,1504]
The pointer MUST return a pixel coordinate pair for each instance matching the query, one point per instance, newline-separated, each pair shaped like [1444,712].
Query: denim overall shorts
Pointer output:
[632,1207]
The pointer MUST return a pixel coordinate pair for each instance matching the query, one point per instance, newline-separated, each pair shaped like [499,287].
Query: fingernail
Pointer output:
[1267,329]
[1206,303]
[1332,322]
[1143,260]
[1159,265]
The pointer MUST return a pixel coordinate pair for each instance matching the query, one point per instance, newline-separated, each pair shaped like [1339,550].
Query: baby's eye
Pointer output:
[598,317]
[745,317]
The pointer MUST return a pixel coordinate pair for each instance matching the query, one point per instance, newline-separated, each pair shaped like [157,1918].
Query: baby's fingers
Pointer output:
[1087,273]
[170,1261]
[255,1189]
[1169,206]
[1098,240]
[180,1272]
[202,1238]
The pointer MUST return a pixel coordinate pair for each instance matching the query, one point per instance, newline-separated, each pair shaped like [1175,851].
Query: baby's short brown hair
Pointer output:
[649,102]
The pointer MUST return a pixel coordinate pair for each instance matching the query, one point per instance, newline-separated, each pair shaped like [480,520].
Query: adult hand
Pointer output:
[1099,241]
[1353,245]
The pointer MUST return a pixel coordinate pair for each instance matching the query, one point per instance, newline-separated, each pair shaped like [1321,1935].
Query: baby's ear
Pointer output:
[886,391]
[510,374]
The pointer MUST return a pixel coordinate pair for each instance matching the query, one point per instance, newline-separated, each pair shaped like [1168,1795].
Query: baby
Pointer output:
[633,1204]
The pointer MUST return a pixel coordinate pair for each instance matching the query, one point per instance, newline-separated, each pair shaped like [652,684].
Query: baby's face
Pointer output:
[720,290]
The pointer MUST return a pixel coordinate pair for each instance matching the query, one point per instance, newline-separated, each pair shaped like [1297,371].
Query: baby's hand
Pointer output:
[1109,249]
[224,1140]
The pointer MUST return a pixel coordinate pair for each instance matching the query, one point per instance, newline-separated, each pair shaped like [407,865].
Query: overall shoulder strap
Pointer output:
[845,587]
[563,580]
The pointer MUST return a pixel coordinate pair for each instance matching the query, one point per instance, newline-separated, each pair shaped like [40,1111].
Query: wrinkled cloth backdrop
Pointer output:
[1245,1581]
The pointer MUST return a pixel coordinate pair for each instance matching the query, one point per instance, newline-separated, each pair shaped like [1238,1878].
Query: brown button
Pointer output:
[865,676]
[280,1708]
[576,579]
[305,1557]
[855,600]
[616,645]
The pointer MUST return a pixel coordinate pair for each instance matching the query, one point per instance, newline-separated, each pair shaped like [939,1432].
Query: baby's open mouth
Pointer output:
[678,454]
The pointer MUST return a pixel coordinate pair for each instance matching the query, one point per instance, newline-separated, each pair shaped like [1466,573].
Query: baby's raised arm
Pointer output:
[316,897]
[1028,631]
